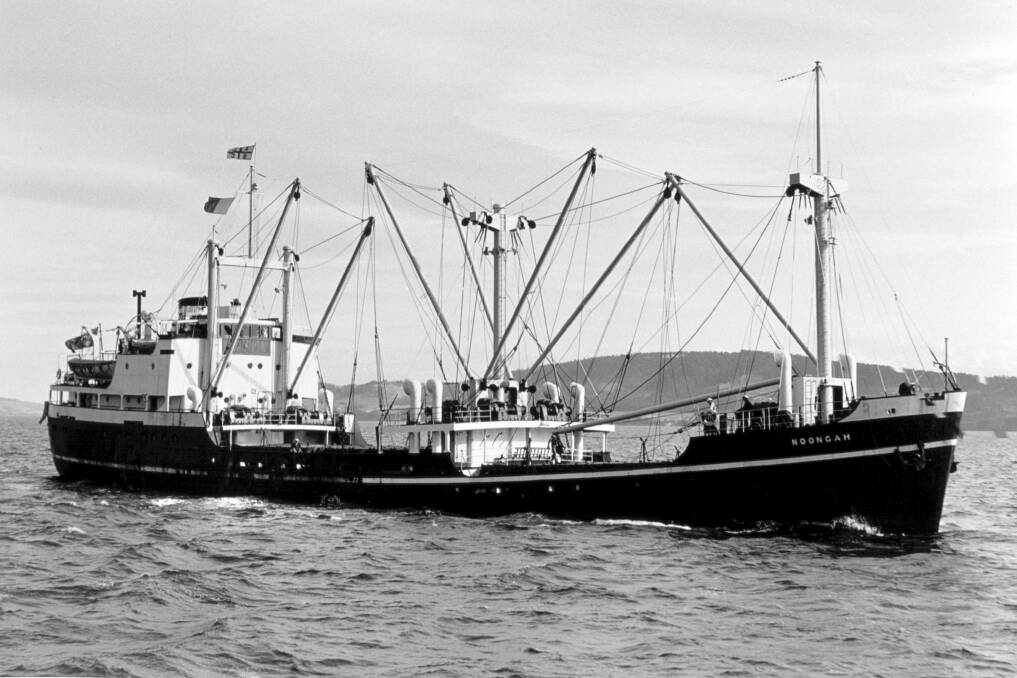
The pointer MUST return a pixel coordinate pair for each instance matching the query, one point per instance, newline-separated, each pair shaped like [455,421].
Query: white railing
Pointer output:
[756,418]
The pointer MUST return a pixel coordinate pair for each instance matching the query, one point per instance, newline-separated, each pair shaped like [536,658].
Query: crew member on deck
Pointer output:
[709,418]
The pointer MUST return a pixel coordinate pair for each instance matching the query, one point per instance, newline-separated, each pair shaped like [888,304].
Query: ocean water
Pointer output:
[101,581]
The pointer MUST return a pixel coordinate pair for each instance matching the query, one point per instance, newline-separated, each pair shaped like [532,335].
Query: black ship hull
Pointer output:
[890,473]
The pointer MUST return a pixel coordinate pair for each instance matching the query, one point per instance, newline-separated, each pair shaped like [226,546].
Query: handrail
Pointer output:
[256,418]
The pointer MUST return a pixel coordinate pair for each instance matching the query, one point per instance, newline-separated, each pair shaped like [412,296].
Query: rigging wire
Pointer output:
[642,244]
[630,168]
[592,183]
[879,306]
[701,324]
[722,263]
[334,236]
[657,184]
[839,298]
[566,228]
[198,256]
[544,181]
[674,300]
[464,195]
[395,191]
[307,315]
[905,317]
[416,188]
[258,216]
[769,293]
[802,116]
[415,298]
[328,261]
[873,189]
[567,181]
[713,188]
[378,367]
[639,316]
[306,191]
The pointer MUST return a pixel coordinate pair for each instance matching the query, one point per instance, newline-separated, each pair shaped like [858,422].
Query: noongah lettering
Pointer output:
[815,440]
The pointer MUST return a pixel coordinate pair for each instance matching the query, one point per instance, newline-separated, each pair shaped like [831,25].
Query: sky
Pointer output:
[116,118]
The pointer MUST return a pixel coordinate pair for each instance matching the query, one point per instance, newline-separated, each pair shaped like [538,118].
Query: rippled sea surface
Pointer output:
[102,581]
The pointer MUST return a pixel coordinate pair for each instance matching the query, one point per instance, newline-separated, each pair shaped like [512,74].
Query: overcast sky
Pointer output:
[116,118]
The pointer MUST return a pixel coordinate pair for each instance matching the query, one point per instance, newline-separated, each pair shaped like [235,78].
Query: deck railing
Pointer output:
[760,418]
[254,417]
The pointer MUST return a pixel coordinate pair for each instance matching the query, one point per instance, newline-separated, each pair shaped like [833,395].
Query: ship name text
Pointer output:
[816,440]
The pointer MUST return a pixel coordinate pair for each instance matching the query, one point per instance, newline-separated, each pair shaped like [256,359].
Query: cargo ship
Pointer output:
[217,400]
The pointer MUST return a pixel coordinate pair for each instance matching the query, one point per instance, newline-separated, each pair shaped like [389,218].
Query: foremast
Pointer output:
[824,265]
[819,188]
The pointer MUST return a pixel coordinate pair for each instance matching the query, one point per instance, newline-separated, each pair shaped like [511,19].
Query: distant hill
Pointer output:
[624,384]
[19,408]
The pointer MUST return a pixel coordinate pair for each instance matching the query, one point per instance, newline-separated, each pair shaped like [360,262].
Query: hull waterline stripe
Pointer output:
[665,470]
[535,477]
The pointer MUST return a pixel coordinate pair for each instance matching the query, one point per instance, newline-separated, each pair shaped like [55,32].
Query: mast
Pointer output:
[498,252]
[824,264]
[212,318]
[283,393]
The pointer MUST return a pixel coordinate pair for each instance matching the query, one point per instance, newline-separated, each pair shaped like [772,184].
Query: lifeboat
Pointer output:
[92,368]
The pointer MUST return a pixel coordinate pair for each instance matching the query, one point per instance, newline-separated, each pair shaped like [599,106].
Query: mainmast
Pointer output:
[824,264]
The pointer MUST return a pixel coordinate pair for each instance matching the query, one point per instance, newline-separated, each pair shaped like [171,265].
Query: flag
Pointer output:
[95,330]
[80,342]
[218,205]
[240,153]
